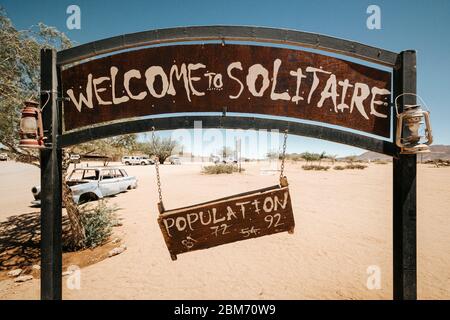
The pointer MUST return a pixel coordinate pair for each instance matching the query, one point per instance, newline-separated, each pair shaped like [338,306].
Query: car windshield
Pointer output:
[78,175]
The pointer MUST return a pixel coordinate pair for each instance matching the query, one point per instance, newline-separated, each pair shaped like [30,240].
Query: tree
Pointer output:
[76,226]
[322,156]
[226,151]
[161,148]
[332,157]
[272,155]
[19,81]
[351,159]
[20,69]
[308,156]
[115,147]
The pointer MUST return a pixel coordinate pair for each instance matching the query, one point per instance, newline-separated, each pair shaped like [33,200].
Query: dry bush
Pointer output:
[221,168]
[350,166]
[439,163]
[356,166]
[381,162]
[315,167]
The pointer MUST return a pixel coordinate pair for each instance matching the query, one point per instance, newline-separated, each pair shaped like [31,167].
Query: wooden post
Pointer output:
[51,182]
[404,192]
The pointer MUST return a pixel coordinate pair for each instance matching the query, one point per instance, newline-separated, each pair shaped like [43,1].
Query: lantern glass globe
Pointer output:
[28,125]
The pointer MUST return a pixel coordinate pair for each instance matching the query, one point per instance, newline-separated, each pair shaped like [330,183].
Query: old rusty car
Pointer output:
[92,183]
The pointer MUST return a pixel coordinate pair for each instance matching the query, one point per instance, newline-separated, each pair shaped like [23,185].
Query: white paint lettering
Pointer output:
[360,93]
[316,80]
[133,73]
[82,99]
[254,72]
[96,82]
[273,94]
[150,76]
[114,71]
[377,91]
[235,65]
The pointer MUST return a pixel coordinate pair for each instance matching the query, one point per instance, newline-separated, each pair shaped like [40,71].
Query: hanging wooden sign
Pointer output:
[242,78]
[235,218]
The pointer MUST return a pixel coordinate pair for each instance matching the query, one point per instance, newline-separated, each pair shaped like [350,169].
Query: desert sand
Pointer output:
[343,226]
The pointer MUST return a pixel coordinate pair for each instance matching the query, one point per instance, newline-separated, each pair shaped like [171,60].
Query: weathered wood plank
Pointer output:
[51,182]
[242,78]
[405,193]
[240,217]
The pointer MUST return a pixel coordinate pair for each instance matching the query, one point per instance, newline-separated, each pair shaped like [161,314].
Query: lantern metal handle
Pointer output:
[428,132]
[411,94]
[398,137]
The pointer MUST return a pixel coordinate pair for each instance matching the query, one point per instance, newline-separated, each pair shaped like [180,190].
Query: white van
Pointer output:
[140,160]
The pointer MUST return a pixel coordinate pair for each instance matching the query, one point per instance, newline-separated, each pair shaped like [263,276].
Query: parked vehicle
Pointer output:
[75,158]
[216,159]
[92,183]
[132,160]
[229,160]
[146,161]
[3,157]
[174,160]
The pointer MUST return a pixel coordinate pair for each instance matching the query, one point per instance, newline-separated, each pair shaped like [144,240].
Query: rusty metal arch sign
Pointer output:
[109,95]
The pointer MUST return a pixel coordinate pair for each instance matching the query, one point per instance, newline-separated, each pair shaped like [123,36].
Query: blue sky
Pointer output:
[420,25]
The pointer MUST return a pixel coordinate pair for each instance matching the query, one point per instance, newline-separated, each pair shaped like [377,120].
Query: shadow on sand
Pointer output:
[20,237]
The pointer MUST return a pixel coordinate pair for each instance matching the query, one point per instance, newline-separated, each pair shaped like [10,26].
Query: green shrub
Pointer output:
[221,168]
[315,167]
[98,222]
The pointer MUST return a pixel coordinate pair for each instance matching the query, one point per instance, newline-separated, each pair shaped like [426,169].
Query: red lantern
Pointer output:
[31,130]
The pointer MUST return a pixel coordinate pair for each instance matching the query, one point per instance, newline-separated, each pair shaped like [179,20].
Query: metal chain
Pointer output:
[283,156]
[158,178]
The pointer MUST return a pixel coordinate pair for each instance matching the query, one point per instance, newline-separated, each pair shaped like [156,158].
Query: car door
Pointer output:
[107,183]
[116,183]
[129,181]
[120,180]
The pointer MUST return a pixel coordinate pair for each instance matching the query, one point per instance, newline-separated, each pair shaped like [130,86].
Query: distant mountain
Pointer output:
[370,155]
[438,151]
